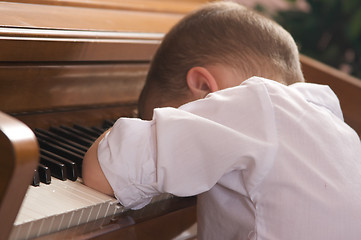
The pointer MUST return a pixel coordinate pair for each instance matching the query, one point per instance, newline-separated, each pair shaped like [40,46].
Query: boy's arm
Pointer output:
[186,151]
[92,173]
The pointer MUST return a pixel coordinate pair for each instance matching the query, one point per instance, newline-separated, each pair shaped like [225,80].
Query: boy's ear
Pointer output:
[201,82]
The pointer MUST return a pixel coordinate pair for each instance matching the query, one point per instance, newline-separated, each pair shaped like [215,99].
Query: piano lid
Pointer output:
[73,30]
[114,16]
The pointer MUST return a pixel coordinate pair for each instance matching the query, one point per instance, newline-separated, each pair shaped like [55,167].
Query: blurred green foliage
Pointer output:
[330,31]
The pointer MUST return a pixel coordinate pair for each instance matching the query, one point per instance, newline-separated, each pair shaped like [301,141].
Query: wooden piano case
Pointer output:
[80,62]
[74,62]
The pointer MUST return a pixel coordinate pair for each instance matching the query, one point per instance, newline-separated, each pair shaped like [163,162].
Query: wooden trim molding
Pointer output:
[28,15]
[58,47]
[346,87]
[169,6]
[46,87]
[19,158]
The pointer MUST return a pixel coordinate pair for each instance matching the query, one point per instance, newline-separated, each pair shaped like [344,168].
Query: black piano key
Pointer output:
[108,124]
[63,148]
[60,151]
[62,139]
[57,169]
[100,131]
[87,130]
[72,168]
[35,181]
[79,133]
[59,143]
[73,137]
[44,174]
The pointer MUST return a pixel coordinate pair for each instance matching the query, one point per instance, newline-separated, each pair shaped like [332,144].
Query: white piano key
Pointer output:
[44,225]
[75,218]
[47,225]
[55,223]
[102,211]
[33,230]
[84,215]
[93,214]
[23,231]
[65,221]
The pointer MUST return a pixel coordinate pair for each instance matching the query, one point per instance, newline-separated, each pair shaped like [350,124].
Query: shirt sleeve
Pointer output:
[186,151]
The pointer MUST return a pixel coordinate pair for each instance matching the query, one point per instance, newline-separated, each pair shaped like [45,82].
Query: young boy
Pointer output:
[268,159]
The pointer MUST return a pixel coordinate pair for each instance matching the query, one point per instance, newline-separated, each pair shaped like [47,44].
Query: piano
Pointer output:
[71,68]
[68,69]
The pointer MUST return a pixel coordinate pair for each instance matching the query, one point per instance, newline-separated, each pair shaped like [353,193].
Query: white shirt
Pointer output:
[268,161]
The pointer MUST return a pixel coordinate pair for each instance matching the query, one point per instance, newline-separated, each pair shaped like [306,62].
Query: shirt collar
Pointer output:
[321,95]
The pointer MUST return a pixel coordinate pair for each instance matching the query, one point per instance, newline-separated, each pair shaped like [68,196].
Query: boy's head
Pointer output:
[217,46]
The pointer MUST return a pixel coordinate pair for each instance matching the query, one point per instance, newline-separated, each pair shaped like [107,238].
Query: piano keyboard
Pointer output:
[57,199]
[60,205]
[64,204]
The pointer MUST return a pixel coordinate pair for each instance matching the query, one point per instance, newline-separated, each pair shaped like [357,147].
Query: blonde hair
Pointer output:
[221,33]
